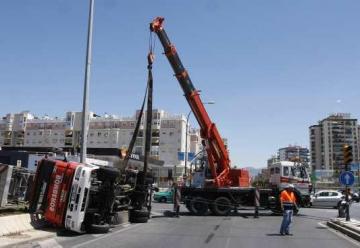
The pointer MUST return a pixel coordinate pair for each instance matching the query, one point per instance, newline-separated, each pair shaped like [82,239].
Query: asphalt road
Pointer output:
[240,230]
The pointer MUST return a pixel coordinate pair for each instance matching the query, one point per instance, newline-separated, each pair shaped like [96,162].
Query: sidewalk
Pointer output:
[25,237]
[18,229]
[350,228]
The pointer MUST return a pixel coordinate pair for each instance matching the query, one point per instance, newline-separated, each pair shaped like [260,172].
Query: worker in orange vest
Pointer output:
[288,203]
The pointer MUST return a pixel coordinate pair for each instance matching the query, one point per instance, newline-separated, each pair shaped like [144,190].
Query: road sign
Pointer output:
[347,178]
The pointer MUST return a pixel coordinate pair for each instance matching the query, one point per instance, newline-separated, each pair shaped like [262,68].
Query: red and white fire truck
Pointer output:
[78,197]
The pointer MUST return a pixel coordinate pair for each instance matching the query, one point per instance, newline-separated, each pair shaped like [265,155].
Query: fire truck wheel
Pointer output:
[199,206]
[107,174]
[221,206]
[99,228]
[138,219]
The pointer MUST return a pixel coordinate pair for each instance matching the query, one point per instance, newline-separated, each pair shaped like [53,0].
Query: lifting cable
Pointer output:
[150,58]
[148,90]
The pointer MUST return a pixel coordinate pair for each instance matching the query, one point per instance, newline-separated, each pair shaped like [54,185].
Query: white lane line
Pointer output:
[99,235]
[340,234]
[156,213]
[49,243]
[106,235]
[227,242]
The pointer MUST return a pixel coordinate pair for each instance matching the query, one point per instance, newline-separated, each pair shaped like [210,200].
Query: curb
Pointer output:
[27,240]
[345,230]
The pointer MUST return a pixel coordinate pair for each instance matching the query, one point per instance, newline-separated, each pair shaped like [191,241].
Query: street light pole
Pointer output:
[186,141]
[186,137]
[85,111]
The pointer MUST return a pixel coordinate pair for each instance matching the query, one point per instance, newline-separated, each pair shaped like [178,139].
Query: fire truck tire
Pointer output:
[107,174]
[99,228]
[221,206]
[199,206]
[138,219]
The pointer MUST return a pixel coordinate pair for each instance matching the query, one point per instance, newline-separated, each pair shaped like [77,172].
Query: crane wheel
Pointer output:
[221,206]
[199,206]
[138,216]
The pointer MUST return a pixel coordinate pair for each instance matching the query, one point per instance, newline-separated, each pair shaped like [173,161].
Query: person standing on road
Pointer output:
[288,203]
[176,199]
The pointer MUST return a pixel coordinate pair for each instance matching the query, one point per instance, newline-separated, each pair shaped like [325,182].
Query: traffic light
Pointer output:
[348,156]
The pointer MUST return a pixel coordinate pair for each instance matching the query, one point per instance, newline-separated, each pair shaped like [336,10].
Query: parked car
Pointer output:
[164,196]
[326,198]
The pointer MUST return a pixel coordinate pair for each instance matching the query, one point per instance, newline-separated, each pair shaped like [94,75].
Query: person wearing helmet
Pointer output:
[288,203]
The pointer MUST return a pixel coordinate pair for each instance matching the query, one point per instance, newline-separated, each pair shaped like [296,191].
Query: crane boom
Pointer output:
[219,162]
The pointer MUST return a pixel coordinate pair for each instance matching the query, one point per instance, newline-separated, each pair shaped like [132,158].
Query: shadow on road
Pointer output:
[274,234]
[311,217]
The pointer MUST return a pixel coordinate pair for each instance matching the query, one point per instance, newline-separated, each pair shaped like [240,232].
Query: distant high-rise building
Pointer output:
[327,139]
[291,153]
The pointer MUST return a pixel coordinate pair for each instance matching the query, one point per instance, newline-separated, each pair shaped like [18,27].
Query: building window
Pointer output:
[99,134]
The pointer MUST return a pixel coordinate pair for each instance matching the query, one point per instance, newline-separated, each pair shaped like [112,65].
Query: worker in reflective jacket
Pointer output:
[288,203]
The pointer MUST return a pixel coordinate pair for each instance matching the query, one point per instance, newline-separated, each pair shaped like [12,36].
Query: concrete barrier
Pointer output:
[14,224]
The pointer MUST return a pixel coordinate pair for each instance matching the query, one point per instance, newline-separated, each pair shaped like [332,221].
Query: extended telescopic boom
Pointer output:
[218,157]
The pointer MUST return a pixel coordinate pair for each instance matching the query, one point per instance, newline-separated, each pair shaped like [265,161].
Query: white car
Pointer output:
[326,198]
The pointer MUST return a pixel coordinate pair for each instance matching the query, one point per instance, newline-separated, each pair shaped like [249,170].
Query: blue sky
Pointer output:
[273,67]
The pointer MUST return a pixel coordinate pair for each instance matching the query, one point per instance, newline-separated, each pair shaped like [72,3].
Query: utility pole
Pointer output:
[85,111]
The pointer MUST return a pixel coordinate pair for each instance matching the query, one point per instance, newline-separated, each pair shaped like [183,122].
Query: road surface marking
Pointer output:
[49,243]
[156,213]
[106,235]
[208,239]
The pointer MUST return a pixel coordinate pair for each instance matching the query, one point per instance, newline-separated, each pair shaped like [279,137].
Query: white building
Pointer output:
[109,131]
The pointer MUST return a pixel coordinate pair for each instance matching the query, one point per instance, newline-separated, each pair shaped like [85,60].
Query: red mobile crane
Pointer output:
[218,157]
[227,188]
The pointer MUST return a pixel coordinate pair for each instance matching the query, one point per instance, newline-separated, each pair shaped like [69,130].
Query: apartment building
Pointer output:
[327,139]
[108,131]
